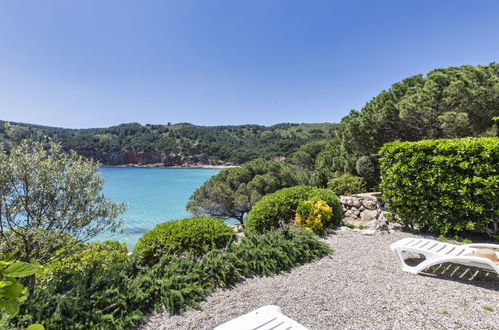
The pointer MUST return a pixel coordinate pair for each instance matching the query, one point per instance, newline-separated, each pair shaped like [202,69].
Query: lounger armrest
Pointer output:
[484,245]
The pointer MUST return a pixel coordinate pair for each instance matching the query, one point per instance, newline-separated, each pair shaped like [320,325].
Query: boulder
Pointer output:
[371,224]
[368,215]
[348,201]
[356,202]
[369,204]
[349,214]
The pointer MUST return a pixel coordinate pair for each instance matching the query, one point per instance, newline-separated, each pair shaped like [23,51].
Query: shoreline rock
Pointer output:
[133,158]
[185,166]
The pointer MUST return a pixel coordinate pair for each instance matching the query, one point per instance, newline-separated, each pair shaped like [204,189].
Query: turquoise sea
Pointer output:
[153,195]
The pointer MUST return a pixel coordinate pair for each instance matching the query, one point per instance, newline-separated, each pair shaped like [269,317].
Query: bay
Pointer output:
[153,195]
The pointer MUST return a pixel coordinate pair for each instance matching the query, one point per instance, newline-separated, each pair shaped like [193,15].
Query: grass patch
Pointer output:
[352,226]
[488,308]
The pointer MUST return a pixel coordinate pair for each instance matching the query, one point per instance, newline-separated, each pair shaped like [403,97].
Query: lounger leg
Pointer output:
[400,259]
[412,269]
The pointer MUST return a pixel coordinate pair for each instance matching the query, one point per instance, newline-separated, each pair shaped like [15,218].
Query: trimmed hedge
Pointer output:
[444,186]
[190,235]
[121,297]
[280,207]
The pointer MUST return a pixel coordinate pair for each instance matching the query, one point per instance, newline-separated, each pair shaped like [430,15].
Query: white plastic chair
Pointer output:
[436,252]
[264,318]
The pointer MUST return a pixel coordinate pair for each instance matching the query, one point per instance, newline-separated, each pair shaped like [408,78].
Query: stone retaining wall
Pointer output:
[365,210]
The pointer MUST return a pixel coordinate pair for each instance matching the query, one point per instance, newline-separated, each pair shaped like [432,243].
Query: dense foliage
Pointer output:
[306,155]
[446,103]
[235,144]
[11,291]
[190,235]
[314,214]
[444,186]
[122,296]
[232,192]
[347,184]
[46,195]
[368,168]
[97,257]
[279,208]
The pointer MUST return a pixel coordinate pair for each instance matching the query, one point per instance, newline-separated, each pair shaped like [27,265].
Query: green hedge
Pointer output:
[190,235]
[280,207]
[121,297]
[444,186]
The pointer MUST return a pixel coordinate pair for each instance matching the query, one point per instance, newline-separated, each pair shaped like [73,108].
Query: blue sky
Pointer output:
[97,63]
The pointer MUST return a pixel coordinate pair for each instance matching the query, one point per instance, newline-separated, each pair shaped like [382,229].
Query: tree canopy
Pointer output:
[446,103]
[232,192]
[50,199]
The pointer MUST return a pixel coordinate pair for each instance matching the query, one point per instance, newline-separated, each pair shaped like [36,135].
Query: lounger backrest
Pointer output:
[436,247]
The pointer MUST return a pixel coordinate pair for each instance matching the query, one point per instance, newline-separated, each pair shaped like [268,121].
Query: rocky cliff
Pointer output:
[144,158]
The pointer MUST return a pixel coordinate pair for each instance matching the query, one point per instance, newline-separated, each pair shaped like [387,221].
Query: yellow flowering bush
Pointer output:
[314,214]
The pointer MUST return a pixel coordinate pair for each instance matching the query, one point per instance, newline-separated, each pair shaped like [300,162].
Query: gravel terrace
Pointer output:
[360,286]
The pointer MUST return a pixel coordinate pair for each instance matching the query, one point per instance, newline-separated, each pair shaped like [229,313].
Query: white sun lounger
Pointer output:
[436,252]
[264,318]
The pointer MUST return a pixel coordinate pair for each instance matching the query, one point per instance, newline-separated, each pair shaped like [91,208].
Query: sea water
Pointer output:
[153,195]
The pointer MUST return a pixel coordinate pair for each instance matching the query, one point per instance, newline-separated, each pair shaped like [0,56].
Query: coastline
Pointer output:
[185,166]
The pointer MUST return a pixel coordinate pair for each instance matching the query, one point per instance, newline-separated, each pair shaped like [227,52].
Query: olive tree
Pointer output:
[232,192]
[50,200]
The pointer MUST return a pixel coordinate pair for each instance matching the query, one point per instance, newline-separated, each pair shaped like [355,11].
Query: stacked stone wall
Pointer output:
[366,210]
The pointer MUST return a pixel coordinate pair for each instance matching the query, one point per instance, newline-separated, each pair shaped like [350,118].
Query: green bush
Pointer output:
[190,235]
[280,207]
[444,186]
[122,296]
[98,256]
[347,184]
[368,168]
[59,244]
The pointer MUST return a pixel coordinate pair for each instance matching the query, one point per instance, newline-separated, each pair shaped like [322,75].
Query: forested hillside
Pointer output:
[181,144]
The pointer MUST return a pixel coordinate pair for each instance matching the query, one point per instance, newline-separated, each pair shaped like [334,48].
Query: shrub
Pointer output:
[60,243]
[314,214]
[277,251]
[98,256]
[444,186]
[191,235]
[121,297]
[347,184]
[368,168]
[280,207]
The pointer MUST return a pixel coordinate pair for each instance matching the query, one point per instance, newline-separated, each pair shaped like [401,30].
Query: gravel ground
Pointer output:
[360,286]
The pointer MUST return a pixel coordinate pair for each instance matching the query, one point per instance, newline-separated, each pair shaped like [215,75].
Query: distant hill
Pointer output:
[180,144]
